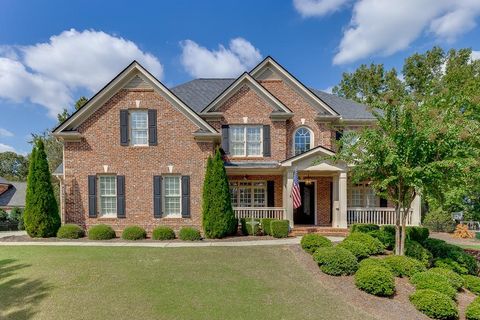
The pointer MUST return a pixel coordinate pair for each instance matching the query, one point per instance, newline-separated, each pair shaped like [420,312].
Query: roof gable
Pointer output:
[245,78]
[133,76]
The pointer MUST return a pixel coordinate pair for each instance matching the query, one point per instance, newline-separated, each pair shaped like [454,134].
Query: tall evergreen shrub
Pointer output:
[218,217]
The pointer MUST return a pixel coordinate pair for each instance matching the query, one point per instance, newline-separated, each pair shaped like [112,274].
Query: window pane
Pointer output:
[139,137]
[245,197]
[238,148]
[238,134]
[302,140]
[254,141]
[172,186]
[108,186]
[139,119]
[253,134]
[357,197]
[259,197]
[139,127]
[108,205]
[254,149]
[108,195]
[172,205]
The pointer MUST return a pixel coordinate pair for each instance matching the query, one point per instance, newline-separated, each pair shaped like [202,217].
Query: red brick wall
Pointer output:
[323,200]
[101,146]
[3,188]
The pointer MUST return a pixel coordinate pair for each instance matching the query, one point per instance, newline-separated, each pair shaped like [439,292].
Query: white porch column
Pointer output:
[342,201]
[336,203]
[416,211]
[287,187]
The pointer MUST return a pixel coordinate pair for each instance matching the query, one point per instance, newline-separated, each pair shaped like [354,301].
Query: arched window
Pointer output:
[302,140]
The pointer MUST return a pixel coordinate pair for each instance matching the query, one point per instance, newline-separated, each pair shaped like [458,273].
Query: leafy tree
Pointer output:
[65,114]
[41,216]
[218,217]
[13,166]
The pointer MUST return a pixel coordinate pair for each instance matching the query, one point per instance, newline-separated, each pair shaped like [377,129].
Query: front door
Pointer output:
[305,214]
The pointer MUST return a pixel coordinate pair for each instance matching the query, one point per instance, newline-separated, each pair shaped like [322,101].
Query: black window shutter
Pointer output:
[185,196]
[120,196]
[152,127]
[266,141]
[225,138]
[157,196]
[338,134]
[92,196]
[270,194]
[383,203]
[124,127]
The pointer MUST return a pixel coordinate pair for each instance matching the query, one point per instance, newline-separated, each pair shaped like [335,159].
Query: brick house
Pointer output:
[136,152]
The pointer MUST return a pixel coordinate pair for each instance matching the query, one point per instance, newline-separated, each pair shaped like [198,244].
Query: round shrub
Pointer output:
[375,280]
[336,261]
[248,228]
[473,310]
[357,248]
[279,228]
[403,266]
[451,256]
[374,245]
[415,250]
[387,239]
[364,227]
[70,231]
[134,233]
[448,263]
[311,242]
[434,304]
[454,278]
[163,233]
[472,283]
[433,281]
[419,234]
[101,232]
[373,262]
[189,234]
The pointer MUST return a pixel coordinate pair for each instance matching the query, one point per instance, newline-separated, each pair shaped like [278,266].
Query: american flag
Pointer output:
[297,199]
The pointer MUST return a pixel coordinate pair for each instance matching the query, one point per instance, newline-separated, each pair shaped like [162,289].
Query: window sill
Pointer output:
[107,217]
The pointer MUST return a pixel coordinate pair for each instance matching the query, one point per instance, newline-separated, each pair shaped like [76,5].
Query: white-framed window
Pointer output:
[357,197]
[172,204]
[246,141]
[139,127]
[371,197]
[248,193]
[362,195]
[107,186]
[302,140]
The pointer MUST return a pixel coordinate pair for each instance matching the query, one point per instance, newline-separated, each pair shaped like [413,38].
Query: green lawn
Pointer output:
[162,283]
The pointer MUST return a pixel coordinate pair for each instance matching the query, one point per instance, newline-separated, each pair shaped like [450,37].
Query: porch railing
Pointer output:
[259,212]
[378,216]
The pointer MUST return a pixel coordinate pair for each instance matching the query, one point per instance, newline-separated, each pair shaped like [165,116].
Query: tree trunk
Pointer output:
[398,241]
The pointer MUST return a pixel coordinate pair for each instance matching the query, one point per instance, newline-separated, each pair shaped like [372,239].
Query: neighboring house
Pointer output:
[12,194]
[136,152]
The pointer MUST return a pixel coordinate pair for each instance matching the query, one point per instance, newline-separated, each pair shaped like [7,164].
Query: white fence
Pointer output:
[378,216]
[259,213]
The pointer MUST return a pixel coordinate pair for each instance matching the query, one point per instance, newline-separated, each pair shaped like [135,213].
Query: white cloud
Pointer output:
[475,55]
[5,148]
[199,61]
[48,73]
[383,27]
[328,89]
[5,133]
[311,8]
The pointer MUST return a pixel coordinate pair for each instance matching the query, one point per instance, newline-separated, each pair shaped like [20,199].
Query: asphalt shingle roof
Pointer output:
[14,196]
[198,93]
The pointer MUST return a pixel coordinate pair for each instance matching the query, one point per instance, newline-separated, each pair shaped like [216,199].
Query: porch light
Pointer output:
[308,181]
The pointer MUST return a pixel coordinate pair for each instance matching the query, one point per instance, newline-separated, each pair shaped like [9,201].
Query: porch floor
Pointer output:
[300,230]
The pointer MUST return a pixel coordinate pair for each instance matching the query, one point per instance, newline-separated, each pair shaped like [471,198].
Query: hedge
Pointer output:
[311,242]
[389,229]
[473,310]
[375,280]
[134,233]
[70,231]
[265,224]
[403,266]
[415,250]
[364,227]
[374,245]
[434,304]
[454,278]
[101,232]
[246,225]
[386,238]
[279,228]
[357,248]
[336,261]
[472,283]
[163,233]
[189,234]
[433,281]
[450,256]
[419,234]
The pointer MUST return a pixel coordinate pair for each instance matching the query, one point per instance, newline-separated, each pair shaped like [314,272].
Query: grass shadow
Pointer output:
[19,296]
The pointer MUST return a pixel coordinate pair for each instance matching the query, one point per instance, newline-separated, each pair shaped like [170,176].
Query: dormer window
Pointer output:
[302,140]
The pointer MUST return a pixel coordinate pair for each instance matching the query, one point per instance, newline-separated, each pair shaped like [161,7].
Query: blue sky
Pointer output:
[52,53]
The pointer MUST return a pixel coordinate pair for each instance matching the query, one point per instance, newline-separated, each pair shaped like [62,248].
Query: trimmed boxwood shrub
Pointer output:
[134,233]
[279,228]
[403,266]
[246,225]
[311,242]
[374,245]
[373,262]
[419,234]
[451,257]
[375,280]
[70,231]
[454,278]
[434,304]
[357,248]
[189,234]
[433,281]
[415,250]
[473,310]
[163,233]
[387,239]
[101,232]
[472,283]
[265,224]
[364,227]
[389,229]
[336,261]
